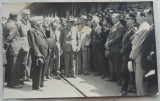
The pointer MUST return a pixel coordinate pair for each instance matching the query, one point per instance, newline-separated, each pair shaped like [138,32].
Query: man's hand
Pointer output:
[40,62]
[106,45]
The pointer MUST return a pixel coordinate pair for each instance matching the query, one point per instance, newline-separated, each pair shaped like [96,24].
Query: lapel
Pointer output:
[39,32]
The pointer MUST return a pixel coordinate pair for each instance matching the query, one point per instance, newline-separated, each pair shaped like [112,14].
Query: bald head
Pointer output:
[26,14]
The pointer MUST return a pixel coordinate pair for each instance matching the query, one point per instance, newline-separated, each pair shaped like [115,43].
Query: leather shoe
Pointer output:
[18,87]
[124,93]
[110,79]
[21,82]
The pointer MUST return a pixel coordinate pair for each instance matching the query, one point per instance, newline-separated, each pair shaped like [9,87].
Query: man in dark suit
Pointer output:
[114,43]
[126,49]
[13,46]
[39,49]
[149,61]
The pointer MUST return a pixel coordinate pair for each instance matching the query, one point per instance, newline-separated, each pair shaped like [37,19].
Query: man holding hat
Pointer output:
[84,41]
[12,45]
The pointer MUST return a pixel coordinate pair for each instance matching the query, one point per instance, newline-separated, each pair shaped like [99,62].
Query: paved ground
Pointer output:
[53,88]
[91,86]
[94,86]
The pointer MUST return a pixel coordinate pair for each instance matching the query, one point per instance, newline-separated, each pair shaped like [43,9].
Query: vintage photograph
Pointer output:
[79,49]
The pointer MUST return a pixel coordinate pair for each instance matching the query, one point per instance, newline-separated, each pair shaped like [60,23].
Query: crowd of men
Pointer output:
[116,45]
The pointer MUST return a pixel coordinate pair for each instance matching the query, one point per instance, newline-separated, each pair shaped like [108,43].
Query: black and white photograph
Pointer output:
[79,49]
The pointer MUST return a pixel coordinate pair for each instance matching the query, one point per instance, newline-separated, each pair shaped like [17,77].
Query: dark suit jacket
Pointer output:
[126,42]
[11,38]
[38,42]
[148,46]
[114,38]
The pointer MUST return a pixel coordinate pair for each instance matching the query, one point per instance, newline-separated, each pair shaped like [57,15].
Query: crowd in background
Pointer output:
[115,45]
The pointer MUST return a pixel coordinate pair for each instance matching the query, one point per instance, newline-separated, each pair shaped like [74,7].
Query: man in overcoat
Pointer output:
[39,51]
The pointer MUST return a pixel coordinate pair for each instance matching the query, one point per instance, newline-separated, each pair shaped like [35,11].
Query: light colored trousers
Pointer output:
[139,74]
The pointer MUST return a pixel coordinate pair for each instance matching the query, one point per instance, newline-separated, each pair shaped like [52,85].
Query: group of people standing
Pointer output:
[38,47]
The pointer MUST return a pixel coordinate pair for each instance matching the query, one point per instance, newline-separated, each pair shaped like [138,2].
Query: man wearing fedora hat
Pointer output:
[69,47]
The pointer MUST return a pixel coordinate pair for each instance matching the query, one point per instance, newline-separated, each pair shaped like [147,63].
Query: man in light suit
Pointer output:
[24,27]
[84,41]
[39,48]
[69,47]
[136,52]
[114,43]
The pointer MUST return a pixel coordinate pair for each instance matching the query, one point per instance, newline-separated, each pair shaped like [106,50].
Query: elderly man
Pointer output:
[12,45]
[39,48]
[136,52]
[84,41]
[98,50]
[24,27]
[69,47]
[114,44]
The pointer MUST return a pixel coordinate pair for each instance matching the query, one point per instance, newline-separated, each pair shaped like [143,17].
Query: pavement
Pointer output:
[53,88]
[94,86]
[82,86]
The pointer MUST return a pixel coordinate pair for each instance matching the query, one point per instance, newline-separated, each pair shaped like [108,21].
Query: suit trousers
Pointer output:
[37,74]
[139,75]
[125,72]
[99,63]
[13,70]
[58,54]
[69,62]
[23,65]
[117,65]
[83,60]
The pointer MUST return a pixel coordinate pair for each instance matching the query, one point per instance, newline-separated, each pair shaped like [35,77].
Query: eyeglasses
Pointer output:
[128,18]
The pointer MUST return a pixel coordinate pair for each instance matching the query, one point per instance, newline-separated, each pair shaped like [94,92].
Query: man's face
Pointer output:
[55,25]
[149,18]
[38,22]
[78,21]
[4,20]
[94,24]
[26,16]
[47,22]
[115,20]
[139,18]
[104,23]
[129,20]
